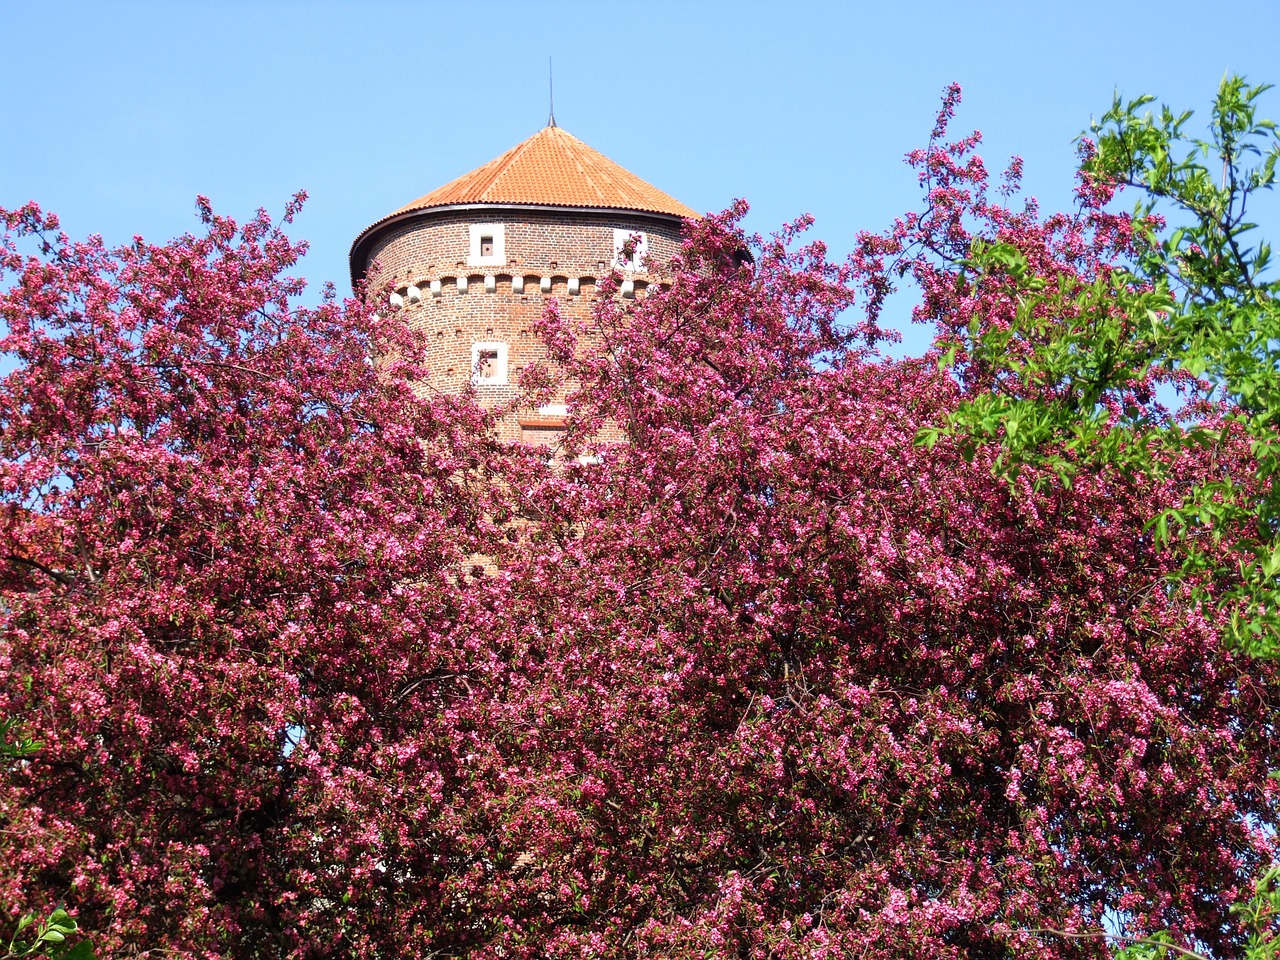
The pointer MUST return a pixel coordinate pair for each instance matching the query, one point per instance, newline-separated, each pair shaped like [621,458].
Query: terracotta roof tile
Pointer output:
[553,168]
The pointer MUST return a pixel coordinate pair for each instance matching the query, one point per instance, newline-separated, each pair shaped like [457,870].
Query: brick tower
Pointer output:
[473,262]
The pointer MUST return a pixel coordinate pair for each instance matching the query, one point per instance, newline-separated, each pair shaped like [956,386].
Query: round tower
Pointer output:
[474,262]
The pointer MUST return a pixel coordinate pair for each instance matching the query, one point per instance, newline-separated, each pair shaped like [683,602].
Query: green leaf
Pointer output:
[83,950]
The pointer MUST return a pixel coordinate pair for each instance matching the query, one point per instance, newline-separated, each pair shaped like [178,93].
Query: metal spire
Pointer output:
[551,91]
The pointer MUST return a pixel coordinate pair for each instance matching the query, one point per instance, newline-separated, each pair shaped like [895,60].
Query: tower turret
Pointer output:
[474,261]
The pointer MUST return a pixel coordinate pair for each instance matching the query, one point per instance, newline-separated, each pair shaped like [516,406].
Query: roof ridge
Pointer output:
[515,153]
[577,159]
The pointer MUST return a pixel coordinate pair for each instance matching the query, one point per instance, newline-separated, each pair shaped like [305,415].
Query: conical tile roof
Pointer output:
[553,168]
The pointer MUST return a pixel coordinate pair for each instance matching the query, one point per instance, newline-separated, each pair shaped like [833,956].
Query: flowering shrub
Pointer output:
[770,679]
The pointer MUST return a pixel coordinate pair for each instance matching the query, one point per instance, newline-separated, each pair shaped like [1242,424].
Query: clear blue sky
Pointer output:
[117,114]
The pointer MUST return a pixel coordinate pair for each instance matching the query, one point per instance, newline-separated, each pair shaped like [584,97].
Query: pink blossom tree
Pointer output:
[316,667]
[231,554]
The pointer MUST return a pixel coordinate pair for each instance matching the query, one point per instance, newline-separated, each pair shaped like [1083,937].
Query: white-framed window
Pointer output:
[633,242]
[489,363]
[488,245]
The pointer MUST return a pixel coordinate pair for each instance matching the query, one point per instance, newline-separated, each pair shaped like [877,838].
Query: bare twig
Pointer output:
[1103,935]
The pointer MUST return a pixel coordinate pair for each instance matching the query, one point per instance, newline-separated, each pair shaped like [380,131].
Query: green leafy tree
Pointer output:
[1222,325]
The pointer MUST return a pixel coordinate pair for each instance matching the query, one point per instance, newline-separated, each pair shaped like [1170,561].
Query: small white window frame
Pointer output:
[478,232]
[636,263]
[499,378]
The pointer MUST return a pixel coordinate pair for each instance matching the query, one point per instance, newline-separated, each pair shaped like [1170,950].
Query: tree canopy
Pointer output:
[816,664]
